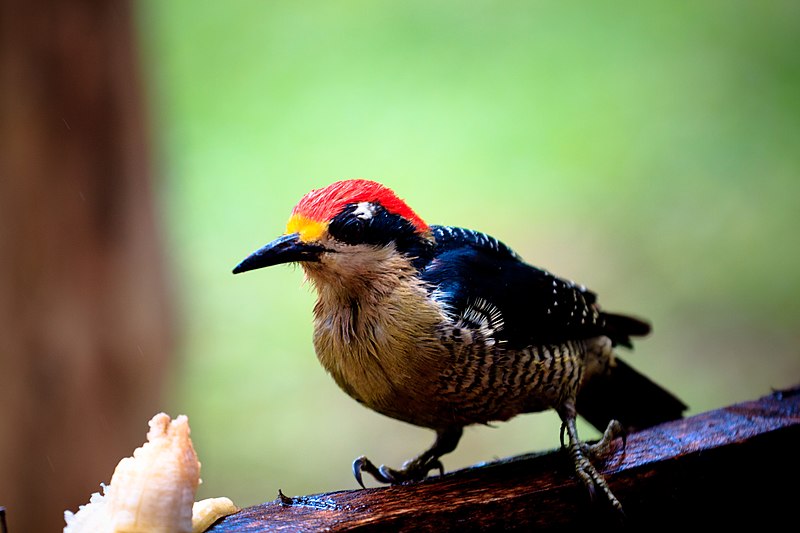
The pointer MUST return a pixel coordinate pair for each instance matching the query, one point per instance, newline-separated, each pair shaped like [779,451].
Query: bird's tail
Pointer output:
[620,328]
[628,396]
[623,393]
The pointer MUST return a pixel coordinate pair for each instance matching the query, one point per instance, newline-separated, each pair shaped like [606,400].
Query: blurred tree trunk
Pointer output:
[85,329]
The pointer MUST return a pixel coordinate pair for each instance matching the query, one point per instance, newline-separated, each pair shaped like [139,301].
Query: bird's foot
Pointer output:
[580,452]
[601,449]
[591,478]
[414,470]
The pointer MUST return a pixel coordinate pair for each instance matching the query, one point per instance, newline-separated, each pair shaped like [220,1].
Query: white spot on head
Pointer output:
[364,210]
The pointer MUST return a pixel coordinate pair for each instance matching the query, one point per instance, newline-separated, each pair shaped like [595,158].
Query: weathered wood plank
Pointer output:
[732,466]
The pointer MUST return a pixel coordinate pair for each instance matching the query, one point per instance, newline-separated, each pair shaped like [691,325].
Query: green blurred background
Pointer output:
[649,150]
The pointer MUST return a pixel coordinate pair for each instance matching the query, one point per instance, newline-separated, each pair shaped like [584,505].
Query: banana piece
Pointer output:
[154,490]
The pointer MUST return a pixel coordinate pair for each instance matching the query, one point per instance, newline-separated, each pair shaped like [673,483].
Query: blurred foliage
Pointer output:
[649,150]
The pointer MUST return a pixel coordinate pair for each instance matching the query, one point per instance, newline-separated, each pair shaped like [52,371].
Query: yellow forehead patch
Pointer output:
[309,230]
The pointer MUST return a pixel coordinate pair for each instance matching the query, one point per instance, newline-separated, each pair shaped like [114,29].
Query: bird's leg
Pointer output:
[416,469]
[585,470]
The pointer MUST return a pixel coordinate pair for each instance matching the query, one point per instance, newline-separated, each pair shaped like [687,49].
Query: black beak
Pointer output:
[284,249]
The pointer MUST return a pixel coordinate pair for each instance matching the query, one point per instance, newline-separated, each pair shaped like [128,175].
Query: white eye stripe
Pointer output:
[364,210]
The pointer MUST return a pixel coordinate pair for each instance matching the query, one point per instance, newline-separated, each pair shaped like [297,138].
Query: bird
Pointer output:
[446,327]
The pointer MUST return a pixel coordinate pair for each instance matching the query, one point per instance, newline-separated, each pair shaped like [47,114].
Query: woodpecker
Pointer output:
[444,327]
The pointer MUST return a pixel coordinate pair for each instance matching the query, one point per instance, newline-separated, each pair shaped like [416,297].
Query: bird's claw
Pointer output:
[411,471]
[602,449]
[436,463]
[362,464]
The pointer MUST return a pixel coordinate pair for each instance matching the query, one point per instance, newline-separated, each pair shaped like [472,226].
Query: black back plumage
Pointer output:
[538,308]
[468,269]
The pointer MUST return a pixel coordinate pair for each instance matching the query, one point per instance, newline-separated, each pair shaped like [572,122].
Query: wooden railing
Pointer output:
[735,466]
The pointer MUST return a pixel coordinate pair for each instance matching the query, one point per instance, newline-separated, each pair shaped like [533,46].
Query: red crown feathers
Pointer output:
[325,203]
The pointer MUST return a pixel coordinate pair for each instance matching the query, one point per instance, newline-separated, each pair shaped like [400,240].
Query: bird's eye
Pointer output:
[364,223]
[351,230]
